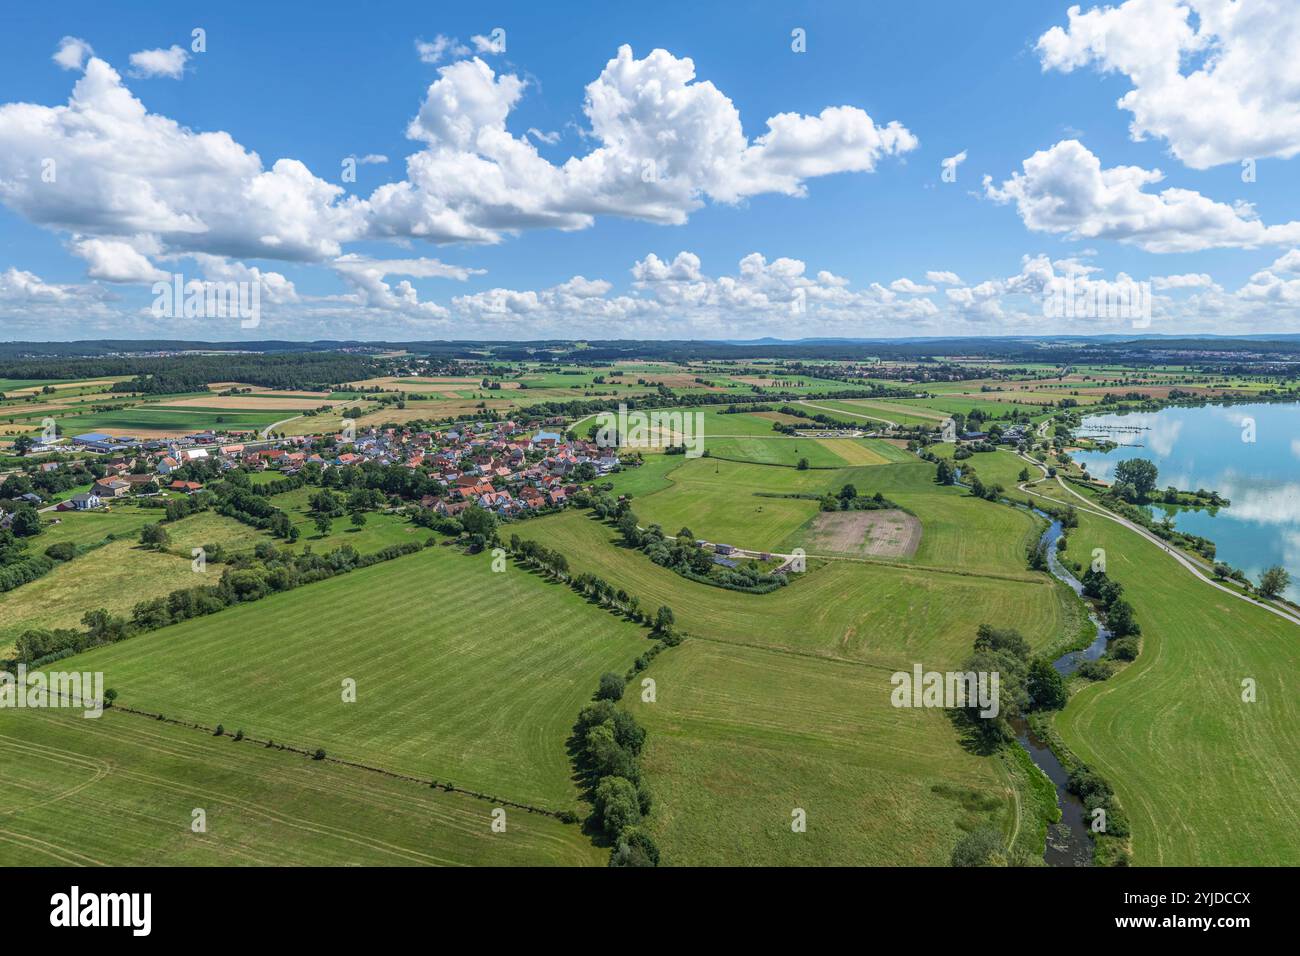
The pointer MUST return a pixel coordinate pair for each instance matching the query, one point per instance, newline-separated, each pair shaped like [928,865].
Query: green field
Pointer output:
[121,790]
[726,501]
[741,737]
[873,413]
[1205,778]
[462,674]
[380,530]
[840,609]
[114,577]
[147,418]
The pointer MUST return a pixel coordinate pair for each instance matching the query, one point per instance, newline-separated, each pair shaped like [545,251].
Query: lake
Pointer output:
[1249,453]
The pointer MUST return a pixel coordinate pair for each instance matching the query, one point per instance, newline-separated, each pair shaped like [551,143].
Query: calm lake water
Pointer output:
[1211,447]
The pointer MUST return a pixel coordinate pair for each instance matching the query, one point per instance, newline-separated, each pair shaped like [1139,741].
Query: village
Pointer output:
[508,468]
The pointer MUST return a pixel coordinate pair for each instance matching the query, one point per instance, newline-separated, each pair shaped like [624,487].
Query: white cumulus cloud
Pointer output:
[169,62]
[1217,79]
[1066,190]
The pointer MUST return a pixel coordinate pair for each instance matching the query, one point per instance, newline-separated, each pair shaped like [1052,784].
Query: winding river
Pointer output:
[1068,842]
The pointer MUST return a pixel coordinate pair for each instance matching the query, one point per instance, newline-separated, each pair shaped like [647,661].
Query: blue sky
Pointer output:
[829,229]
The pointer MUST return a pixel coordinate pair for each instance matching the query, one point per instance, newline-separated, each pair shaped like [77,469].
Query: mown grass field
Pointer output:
[719,500]
[723,501]
[114,577]
[380,530]
[741,737]
[874,413]
[861,611]
[772,451]
[122,519]
[462,674]
[154,419]
[121,790]
[1205,778]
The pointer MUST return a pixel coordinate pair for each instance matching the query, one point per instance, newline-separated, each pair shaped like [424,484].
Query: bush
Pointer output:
[978,848]
[63,551]
[611,687]
[1096,670]
[634,848]
[1124,649]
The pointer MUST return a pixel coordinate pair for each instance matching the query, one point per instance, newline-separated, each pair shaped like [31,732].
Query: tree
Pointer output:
[1138,473]
[611,687]
[944,473]
[358,519]
[323,523]
[803,464]
[155,536]
[664,620]
[635,848]
[1274,581]
[23,444]
[1046,686]
[476,520]
[616,802]
[26,522]
[1120,619]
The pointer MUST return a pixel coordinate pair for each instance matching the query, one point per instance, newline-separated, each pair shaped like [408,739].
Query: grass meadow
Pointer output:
[1205,778]
[121,790]
[741,737]
[462,674]
[862,611]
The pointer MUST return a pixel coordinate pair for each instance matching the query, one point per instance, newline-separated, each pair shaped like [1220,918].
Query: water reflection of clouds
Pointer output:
[1260,501]
[1164,435]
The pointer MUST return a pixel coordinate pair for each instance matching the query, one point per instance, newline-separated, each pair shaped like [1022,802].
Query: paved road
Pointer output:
[1159,542]
[838,411]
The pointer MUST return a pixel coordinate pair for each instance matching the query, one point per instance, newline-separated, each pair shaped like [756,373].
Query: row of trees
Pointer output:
[247,577]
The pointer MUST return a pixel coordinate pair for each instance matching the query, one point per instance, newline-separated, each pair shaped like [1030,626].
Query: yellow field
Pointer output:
[851,451]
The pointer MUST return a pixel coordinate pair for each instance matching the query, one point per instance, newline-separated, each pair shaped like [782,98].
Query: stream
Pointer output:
[1068,842]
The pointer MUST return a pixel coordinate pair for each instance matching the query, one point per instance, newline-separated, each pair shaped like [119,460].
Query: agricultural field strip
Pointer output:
[153,672]
[455,811]
[1187,756]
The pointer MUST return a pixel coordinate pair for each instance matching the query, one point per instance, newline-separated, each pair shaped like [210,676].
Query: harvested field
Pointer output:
[852,451]
[872,534]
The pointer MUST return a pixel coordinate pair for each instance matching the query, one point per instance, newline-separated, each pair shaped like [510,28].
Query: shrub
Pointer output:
[611,687]
[1124,649]
[980,847]
[634,848]
[63,551]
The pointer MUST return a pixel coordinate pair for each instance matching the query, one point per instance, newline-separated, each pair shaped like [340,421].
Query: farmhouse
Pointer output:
[111,488]
[86,501]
